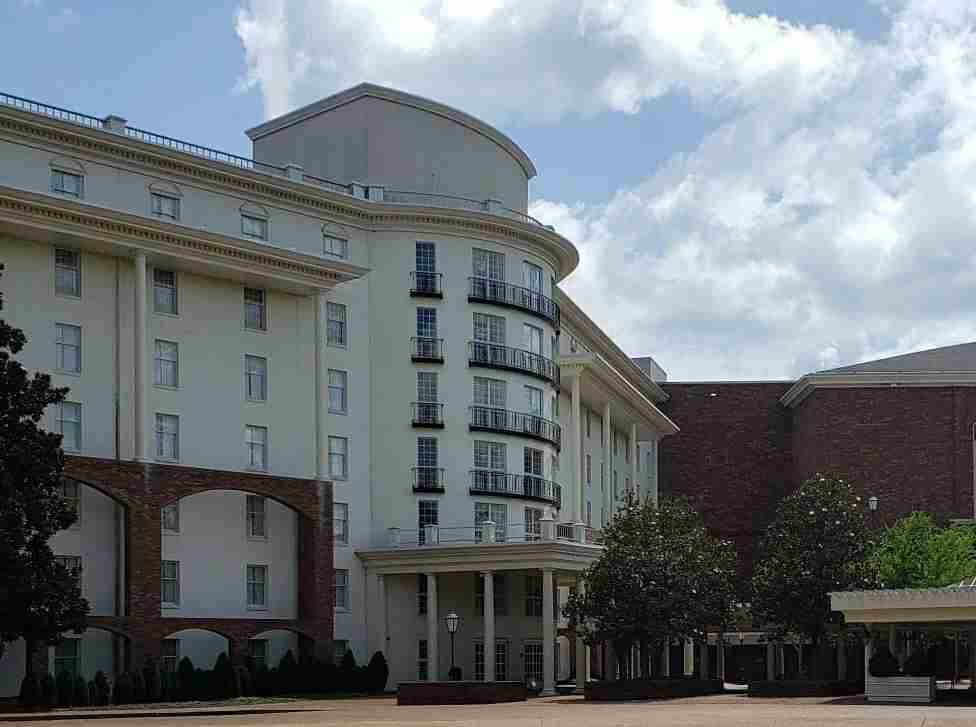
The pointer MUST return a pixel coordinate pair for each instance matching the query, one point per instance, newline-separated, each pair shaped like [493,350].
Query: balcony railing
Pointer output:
[491,419]
[486,534]
[496,356]
[430,350]
[498,292]
[426,285]
[428,479]
[525,487]
[428,414]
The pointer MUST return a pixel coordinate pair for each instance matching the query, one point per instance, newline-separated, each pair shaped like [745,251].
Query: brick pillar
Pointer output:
[142,572]
[316,594]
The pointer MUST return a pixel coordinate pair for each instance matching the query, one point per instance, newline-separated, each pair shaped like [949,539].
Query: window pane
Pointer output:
[336,247]
[255,378]
[426,258]
[67,272]
[171,517]
[335,324]
[255,318]
[337,391]
[164,291]
[68,344]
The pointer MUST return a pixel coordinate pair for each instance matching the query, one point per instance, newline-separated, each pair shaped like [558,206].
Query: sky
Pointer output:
[757,188]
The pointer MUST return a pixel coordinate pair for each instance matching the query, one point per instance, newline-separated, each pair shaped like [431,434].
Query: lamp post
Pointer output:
[453,621]
[872,503]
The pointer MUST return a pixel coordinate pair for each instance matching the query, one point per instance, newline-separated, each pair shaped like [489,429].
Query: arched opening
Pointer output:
[200,646]
[268,647]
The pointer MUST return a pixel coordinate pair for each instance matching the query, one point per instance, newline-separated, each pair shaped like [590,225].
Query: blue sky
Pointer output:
[747,192]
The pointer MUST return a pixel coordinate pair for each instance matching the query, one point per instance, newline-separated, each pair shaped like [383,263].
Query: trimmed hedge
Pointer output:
[624,689]
[804,688]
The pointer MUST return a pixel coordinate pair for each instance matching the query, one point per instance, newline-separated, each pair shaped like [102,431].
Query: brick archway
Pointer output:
[144,489]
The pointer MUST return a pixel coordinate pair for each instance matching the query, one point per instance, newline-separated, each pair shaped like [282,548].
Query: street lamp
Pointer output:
[453,621]
[872,503]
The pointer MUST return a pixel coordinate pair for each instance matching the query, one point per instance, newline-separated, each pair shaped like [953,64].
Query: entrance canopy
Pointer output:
[955,605]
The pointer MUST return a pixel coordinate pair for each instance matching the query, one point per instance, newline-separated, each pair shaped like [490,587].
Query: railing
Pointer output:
[428,479]
[497,356]
[491,419]
[488,533]
[396,196]
[54,112]
[498,292]
[427,414]
[327,184]
[204,152]
[426,285]
[504,484]
[427,349]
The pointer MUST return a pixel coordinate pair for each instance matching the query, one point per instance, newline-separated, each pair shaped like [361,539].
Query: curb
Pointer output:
[138,714]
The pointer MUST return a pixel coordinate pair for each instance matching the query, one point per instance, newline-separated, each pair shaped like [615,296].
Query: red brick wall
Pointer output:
[143,489]
[732,458]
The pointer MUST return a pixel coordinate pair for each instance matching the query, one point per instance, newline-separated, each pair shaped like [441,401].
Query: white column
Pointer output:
[770,661]
[666,660]
[381,617]
[689,654]
[582,651]
[868,653]
[489,616]
[633,458]
[433,660]
[141,430]
[321,391]
[608,461]
[548,634]
[577,449]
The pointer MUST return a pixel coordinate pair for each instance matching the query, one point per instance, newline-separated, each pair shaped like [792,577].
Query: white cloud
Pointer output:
[830,217]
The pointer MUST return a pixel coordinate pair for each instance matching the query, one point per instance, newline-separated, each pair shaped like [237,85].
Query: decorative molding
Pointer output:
[807,384]
[161,186]
[66,164]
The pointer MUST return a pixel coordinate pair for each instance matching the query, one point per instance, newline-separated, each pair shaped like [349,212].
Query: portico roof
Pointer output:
[538,555]
[955,604]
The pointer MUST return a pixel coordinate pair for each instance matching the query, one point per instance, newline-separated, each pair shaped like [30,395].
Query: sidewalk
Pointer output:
[170,709]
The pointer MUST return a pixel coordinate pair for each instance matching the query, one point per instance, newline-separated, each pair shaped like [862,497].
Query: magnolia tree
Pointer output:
[817,543]
[660,578]
[39,598]
[917,553]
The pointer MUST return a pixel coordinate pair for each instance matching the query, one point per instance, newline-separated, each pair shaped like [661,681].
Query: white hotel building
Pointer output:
[316,414]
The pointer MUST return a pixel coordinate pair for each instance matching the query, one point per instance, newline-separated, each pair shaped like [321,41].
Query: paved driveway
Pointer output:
[719,711]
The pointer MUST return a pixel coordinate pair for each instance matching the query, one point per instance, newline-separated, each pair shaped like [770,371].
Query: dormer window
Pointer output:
[68,178]
[254,227]
[337,247]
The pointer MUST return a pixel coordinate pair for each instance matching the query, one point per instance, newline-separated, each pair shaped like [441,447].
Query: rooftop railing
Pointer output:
[489,533]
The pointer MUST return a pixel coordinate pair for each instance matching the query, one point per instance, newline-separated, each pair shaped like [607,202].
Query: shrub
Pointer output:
[920,663]
[454,674]
[102,690]
[245,685]
[348,672]
[92,694]
[224,680]
[81,692]
[65,685]
[138,688]
[377,672]
[185,674]
[48,691]
[122,691]
[883,663]
[152,680]
[30,691]
[262,681]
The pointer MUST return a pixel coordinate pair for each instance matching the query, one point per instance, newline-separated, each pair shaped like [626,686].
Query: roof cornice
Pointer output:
[401,97]
[807,384]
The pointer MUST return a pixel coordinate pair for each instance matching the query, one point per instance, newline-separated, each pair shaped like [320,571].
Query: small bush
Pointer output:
[348,672]
[30,691]
[138,688]
[454,674]
[49,691]
[245,684]
[883,663]
[65,686]
[122,691]
[185,674]
[92,694]
[81,692]
[152,680]
[223,680]
[377,673]
[921,663]
[102,690]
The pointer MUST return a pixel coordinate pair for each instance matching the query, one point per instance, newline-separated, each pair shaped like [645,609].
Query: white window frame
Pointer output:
[162,418]
[423,660]
[427,387]
[341,390]
[261,376]
[490,392]
[426,322]
[173,290]
[264,582]
[336,324]
[175,580]
[259,659]
[334,246]
[173,508]
[488,328]
[254,227]
[533,277]
[487,264]
[74,270]
[589,469]
[532,339]
[256,440]
[59,179]
[159,359]
[259,305]
[60,419]
[156,204]
[342,586]
[424,509]
[169,662]
[62,345]
[71,492]
[340,523]
[256,517]
[342,474]
[535,402]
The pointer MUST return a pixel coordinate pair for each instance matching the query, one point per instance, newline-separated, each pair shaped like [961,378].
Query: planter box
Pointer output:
[804,688]
[460,692]
[901,689]
[651,689]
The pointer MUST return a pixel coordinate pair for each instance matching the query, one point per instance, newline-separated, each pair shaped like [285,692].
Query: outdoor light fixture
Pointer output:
[452,620]
[872,503]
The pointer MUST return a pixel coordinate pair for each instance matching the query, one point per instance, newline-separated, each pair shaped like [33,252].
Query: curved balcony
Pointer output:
[426,350]
[498,292]
[428,479]
[496,356]
[523,487]
[491,419]
[426,285]
[427,414]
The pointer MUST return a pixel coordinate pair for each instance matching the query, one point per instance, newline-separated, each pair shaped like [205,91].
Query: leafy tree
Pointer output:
[660,577]
[817,543]
[39,598]
[917,553]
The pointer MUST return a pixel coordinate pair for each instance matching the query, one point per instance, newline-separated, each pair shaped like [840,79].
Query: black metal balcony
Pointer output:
[496,356]
[426,285]
[498,292]
[490,419]
[523,487]
[426,350]
[428,479]
[428,414]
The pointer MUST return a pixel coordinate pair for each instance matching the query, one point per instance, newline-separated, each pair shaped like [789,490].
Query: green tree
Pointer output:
[39,598]
[817,543]
[916,553]
[660,577]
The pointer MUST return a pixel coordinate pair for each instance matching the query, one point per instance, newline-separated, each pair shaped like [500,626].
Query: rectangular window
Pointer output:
[615,495]
[165,295]
[532,276]
[533,596]
[532,461]
[427,323]
[501,660]
[255,310]
[335,247]
[257,586]
[67,272]
[68,425]
[427,514]
[589,513]
[68,347]
[490,456]
[533,401]
[171,518]
[426,257]
[257,649]
[163,205]
[533,523]
[167,364]
[256,378]
[67,657]
[169,655]
[421,593]
[342,589]
[339,649]
[489,392]
[488,264]
[479,660]
[72,498]
[603,477]
[497,513]
[168,437]
[427,386]
[532,339]
[338,403]
[588,417]
[532,657]
[339,457]
[72,563]
[426,452]
[340,523]
[170,591]
[254,227]
[257,517]
[589,470]
[335,329]
[489,328]
[422,665]
[499,589]
[72,185]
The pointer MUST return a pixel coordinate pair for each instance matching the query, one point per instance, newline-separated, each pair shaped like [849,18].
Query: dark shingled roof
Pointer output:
[961,357]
